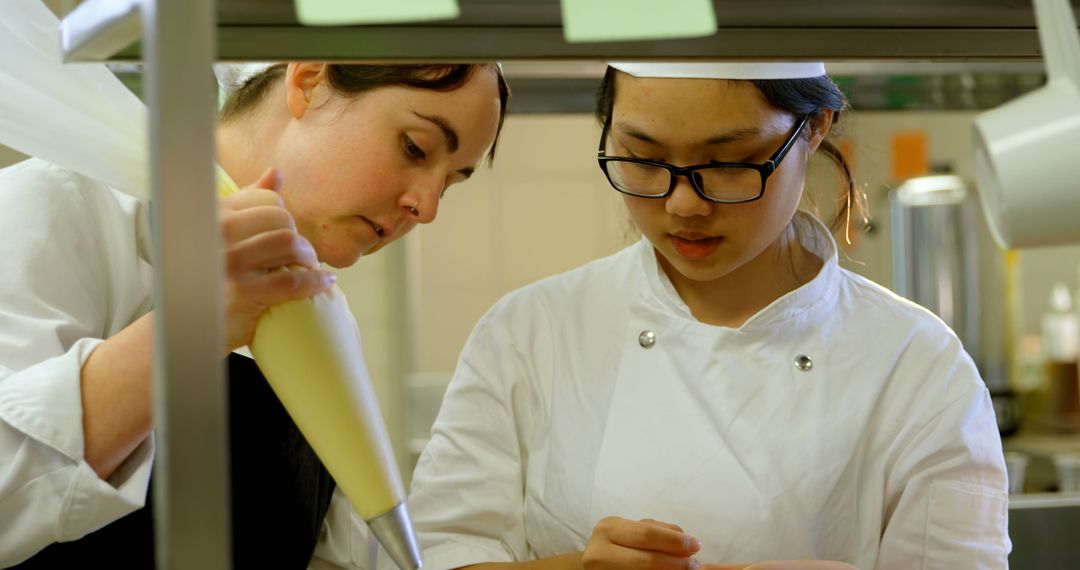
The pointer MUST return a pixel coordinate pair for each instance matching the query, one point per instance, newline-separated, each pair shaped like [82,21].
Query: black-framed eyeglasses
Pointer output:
[720,182]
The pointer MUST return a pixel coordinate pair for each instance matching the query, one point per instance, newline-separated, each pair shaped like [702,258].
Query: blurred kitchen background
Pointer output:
[544,207]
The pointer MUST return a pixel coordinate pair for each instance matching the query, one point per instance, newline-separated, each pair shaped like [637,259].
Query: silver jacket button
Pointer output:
[803,362]
[646,339]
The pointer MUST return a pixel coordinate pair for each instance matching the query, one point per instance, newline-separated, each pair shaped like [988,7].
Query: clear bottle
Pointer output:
[1029,379]
[1061,342]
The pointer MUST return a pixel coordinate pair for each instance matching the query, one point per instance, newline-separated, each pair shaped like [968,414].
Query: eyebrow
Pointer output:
[447,131]
[733,135]
[451,138]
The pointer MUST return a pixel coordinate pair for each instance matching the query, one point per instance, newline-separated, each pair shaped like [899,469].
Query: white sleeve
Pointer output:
[54,292]
[951,510]
[467,495]
[343,542]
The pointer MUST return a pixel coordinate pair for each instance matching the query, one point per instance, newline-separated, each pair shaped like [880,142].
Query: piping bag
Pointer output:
[80,117]
[309,351]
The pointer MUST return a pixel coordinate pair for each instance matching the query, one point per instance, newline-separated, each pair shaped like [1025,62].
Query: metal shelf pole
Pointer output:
[191,475]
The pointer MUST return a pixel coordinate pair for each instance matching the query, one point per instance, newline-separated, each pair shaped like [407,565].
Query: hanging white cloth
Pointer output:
[56,111]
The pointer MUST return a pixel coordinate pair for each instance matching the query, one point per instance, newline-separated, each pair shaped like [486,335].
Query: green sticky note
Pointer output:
[625,20]
[350,12]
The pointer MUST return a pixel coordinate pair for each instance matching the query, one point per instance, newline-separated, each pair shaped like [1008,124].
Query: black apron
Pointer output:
[280,493]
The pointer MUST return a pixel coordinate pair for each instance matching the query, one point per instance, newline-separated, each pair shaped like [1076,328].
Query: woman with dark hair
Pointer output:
[337,161]
[720,393]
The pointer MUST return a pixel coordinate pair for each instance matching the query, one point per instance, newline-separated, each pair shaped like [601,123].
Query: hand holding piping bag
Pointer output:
[260,239]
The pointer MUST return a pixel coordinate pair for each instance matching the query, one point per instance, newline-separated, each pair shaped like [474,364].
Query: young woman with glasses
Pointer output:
[721,393]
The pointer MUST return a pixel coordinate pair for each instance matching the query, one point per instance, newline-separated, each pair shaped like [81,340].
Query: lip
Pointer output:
[377,229]
[389,228]
[694,245]
[691,236]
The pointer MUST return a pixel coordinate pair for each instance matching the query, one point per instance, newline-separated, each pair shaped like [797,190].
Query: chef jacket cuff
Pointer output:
[44,401]
[92,503]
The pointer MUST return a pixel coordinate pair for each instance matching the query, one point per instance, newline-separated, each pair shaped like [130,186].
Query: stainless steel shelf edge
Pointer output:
[98,29]
[1044,500]
[456,43]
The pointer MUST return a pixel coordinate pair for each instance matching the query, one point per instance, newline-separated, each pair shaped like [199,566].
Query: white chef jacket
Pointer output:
[75,258]
[881,450]
[76,269]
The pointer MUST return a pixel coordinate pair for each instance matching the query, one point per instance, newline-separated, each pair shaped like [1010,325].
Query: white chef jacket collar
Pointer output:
[813,235]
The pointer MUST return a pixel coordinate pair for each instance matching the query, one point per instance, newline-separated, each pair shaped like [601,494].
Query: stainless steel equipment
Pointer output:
[944,260]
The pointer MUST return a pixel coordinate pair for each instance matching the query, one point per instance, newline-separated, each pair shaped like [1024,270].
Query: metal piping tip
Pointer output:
[395,532]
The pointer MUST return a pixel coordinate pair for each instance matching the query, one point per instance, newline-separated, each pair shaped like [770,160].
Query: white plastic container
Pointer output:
[1068,472]
[1016,466]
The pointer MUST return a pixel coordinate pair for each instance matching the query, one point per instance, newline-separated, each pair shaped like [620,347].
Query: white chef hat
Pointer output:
[232,76]
[723,70]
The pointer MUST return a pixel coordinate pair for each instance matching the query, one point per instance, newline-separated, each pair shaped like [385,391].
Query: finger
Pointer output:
[800,565]
[251,198]
[618,557]
[694,544]
[658,561]
[633,534]
[267,251]
[662,524]
[270,180]
[282,286]
[240,225]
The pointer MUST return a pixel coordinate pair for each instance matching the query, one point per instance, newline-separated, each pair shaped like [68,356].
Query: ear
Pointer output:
[820,125]
[301,79]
